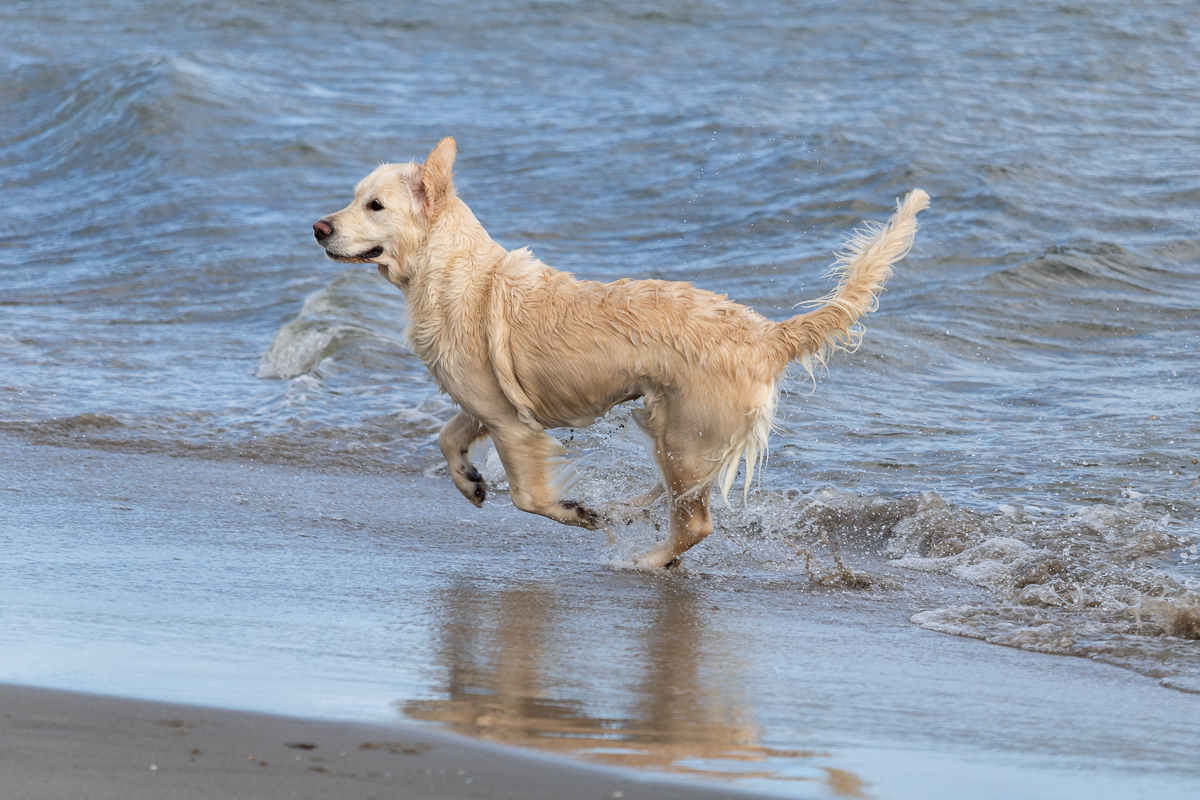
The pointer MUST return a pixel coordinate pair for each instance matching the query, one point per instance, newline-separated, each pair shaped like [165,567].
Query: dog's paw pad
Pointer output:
[588,518]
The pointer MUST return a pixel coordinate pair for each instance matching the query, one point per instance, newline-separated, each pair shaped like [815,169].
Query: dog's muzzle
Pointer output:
[323,229]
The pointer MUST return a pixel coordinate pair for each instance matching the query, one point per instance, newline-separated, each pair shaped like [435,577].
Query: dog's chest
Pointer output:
[451,349]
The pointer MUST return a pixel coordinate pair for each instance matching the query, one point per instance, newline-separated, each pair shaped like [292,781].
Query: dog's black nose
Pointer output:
[322,229]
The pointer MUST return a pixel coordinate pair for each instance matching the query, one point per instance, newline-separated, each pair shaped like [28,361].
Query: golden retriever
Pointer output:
[522,347]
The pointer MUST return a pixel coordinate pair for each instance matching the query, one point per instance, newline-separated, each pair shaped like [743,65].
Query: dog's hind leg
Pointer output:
[456,439]
[687,476]
[691,519]
[538,474]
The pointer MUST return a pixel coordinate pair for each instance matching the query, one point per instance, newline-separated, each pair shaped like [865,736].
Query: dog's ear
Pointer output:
[416,186]
[436,175]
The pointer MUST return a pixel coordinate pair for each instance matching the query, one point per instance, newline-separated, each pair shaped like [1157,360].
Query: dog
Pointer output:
[522,348]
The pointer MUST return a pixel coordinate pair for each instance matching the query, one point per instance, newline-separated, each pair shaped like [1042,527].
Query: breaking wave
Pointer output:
[356,316]
[1115,582]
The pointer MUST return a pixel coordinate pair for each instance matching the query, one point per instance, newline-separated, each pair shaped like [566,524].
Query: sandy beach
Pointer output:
[64,746]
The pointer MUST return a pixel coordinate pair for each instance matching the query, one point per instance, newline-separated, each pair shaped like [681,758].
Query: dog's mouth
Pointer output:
[361,258]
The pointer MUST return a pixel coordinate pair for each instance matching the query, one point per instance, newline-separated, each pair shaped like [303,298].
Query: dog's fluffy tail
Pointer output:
[863,266]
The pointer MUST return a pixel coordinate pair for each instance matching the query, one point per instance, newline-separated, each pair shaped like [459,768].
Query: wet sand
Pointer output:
[376,598]
[62,746]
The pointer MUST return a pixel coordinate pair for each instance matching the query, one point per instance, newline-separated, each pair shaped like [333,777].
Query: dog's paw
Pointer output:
[472,486]
[586,517]
[661,557]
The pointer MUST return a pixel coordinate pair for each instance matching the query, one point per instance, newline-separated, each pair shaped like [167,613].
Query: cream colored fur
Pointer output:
[522,347]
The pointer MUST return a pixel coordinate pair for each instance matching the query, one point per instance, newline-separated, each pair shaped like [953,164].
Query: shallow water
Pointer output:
[332,593]
[1021,418]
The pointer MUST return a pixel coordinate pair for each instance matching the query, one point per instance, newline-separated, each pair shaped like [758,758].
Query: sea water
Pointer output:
[1014,445]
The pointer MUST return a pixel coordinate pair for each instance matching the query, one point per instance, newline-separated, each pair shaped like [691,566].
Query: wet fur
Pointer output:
[522,347]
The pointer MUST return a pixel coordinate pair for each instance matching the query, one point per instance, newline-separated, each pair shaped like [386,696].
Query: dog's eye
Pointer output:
[375,205]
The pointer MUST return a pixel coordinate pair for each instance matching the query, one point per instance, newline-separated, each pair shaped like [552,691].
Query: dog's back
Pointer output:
[579,347]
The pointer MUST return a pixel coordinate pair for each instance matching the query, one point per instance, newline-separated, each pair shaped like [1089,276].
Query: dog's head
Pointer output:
[388,222]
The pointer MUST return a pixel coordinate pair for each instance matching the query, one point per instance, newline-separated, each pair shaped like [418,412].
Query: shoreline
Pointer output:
[369,601]
[60,744]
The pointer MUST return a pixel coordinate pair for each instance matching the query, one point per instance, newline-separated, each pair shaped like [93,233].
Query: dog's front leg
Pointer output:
[538,473]
[456,439]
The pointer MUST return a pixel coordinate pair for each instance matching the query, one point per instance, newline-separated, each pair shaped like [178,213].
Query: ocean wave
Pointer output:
[1095,583]
[1116,582]
[1086,269]
[69,122]
[356,311]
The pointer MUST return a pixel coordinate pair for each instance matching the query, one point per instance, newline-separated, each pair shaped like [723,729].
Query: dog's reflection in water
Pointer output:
[669,693]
